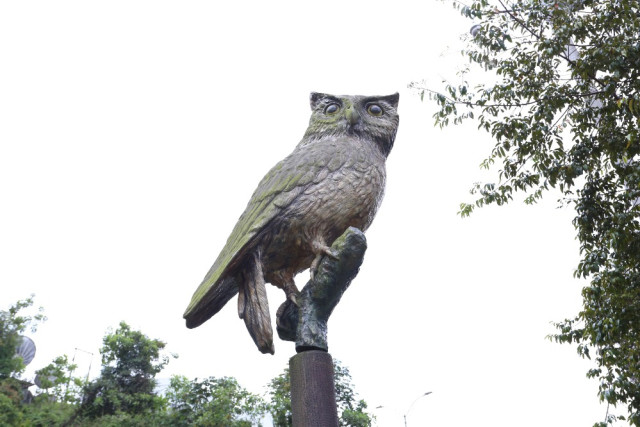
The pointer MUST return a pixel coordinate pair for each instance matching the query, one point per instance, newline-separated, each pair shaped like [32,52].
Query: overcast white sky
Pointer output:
[132,134]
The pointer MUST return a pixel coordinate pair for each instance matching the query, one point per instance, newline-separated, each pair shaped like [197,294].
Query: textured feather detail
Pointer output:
[253,305]
[213,302]
[278,189]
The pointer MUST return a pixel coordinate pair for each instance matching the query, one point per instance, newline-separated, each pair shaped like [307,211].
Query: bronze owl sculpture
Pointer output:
[333,179]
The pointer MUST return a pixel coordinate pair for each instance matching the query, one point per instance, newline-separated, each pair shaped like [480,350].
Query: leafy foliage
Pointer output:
[279,390]
[351,412]
[561,97]
[58,383]
[10,399]
[12,324]
[47,412]
[44,410]
[130,361]
[212,402]
[124,393]
[58,394]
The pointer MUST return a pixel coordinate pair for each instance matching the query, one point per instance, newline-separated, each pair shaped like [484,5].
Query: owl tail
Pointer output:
[253,306]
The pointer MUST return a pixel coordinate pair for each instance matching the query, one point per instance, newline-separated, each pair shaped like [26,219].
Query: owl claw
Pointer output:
[292,293]
[319,248]
[313,269]
[294,299]
[331,254]
[324,250]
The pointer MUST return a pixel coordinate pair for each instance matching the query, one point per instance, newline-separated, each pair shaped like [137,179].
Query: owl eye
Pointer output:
[331,109]
[374,110]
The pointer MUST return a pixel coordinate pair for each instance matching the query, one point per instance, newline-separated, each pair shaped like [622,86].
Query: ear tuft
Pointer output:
[392,99]
[315,97]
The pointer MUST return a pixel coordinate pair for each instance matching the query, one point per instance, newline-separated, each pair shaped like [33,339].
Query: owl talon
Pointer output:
[331,254]
[294,299]
[315,264]
[292,292]
[313,269]
[320,249]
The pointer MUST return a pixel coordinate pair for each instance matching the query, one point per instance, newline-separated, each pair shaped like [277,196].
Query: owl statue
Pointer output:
[333,179]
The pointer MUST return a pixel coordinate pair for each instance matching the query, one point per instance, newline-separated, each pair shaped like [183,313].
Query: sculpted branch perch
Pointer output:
[333,180]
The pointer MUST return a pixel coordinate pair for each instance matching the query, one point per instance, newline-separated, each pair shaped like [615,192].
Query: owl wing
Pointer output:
[276,191]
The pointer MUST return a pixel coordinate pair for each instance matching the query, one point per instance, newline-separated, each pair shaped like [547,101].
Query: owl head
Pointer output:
[372,118]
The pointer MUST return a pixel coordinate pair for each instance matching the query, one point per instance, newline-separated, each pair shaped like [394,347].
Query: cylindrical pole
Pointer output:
[313,396]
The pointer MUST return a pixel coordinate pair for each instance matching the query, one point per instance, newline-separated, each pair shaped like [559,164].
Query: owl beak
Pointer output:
[352,115]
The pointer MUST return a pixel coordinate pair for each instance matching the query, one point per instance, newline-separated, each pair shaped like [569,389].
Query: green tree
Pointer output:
[351,411]
[58,394]
[47,412]
[130,362]
[561,98]
[212,402]
[12,324]
[279,390]
[11,411]
[56,381]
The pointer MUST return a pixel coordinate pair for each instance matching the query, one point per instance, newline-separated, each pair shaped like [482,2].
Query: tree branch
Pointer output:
[520,104]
